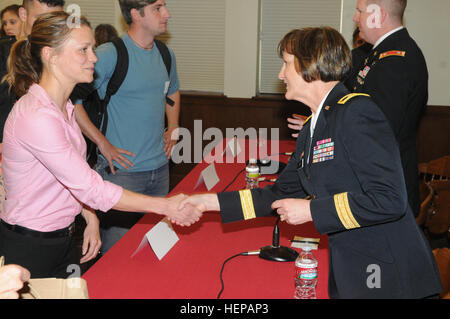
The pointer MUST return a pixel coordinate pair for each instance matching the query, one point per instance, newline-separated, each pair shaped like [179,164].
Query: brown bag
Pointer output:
[55,288]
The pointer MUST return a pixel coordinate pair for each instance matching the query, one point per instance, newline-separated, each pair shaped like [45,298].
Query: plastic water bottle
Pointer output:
[252,174]
[305,275]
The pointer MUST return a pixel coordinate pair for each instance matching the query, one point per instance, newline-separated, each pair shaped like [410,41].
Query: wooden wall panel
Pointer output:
[433,140]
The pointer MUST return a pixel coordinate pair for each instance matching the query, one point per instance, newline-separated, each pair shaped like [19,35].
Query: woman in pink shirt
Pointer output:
[47,178]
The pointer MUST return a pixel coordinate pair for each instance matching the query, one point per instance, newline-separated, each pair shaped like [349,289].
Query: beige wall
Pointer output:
[5,3]
[428,23]
[241,48]
[120,24]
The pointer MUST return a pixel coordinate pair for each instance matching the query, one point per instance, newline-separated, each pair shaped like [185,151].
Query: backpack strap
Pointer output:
[167,58]
[117,77]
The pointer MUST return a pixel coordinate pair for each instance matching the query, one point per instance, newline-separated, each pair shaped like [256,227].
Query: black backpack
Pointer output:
[96,107]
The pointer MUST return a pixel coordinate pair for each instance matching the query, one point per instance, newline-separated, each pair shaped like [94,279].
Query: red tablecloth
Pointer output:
[191,268]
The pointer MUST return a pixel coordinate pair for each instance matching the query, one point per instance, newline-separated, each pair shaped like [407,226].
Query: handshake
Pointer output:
[184,210]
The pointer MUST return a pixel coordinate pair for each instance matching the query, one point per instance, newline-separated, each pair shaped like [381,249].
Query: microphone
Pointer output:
[277,252]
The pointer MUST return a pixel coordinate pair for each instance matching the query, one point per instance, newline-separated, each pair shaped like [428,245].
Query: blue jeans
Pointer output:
[114,224]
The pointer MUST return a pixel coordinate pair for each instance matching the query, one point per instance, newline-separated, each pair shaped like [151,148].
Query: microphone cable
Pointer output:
[247,253]
[237,175]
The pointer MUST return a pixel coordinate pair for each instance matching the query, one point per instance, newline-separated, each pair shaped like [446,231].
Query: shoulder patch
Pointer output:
[392,53]
[346,98]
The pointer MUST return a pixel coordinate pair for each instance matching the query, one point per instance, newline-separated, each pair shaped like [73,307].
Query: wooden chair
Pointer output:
[438,221]
[434,216]
[426,205]
[442,256]
[438,169]
[435,212]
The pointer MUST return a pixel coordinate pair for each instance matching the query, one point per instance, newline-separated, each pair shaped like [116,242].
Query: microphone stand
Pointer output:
[277,252]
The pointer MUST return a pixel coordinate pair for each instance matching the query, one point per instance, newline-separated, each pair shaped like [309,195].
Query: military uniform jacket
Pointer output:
[359,56]
[395,76]
[354,177]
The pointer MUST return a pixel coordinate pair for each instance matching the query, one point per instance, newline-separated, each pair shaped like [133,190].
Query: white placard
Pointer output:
[161,238]
[209,177]
[233,147]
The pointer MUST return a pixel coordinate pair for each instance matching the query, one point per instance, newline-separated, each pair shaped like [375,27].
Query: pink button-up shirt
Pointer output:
[44,167]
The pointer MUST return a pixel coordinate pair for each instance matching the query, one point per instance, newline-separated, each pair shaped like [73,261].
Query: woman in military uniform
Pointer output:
[345,176]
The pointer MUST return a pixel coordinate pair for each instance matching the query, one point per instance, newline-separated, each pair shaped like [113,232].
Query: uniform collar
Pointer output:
[385,36]
[336,94]
[315,115]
